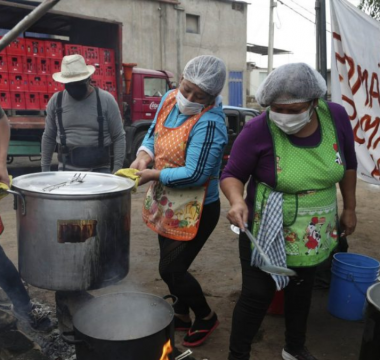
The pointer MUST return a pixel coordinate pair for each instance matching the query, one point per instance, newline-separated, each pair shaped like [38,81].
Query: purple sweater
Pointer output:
[252,152]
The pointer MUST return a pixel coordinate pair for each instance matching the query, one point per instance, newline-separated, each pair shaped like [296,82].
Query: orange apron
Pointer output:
[173,213]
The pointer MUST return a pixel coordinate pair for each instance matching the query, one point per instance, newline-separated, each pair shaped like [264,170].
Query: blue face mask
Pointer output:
[187,107]
[77,90]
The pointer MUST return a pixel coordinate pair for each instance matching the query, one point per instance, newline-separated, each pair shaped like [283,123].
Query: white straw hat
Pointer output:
[73,68]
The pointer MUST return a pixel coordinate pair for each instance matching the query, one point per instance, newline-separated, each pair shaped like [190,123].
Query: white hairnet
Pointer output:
[291,83]
[207,72]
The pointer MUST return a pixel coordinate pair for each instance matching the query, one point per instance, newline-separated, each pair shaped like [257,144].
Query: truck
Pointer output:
[137,91]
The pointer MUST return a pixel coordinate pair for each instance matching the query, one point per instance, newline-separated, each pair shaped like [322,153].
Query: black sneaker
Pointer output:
[301,354]
[36,316]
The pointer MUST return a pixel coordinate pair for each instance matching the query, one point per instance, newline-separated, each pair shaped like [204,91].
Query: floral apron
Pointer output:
[307,177]
[173,213]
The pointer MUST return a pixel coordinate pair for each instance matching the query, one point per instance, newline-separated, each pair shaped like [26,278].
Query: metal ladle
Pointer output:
[268,267]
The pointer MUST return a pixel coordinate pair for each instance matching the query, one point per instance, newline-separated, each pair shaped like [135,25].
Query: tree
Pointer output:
[371,7]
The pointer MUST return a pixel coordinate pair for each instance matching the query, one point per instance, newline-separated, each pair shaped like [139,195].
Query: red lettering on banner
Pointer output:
[366,125]
[350,102]
[374,90]
[375,171]
[362,78]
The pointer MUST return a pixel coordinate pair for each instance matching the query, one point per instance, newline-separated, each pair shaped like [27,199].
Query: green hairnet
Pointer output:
[291,83]
[207,72]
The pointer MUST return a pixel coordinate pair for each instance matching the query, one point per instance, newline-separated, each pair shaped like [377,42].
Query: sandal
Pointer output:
[180,325]
[200,331]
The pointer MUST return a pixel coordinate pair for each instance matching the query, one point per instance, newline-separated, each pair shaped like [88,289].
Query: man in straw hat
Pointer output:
[84,120]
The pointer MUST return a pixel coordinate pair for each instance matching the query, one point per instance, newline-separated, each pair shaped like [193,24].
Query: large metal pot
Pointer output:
[73,229]
[124,326]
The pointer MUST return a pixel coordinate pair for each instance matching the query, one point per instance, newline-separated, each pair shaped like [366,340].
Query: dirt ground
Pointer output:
[218,270]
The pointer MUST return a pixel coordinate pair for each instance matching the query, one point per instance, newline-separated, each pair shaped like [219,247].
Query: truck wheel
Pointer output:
[137,141]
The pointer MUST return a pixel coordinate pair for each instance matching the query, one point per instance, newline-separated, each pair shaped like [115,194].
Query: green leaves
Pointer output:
[371,7]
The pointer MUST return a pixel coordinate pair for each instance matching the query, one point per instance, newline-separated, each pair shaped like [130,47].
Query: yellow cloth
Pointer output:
[4,187]
[130,174]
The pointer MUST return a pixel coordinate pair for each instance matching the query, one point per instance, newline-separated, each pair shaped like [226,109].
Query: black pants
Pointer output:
[10,282]
[176,258]
[257,293]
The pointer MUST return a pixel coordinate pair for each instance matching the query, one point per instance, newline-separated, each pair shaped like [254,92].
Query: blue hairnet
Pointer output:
[207,72]
[291,83]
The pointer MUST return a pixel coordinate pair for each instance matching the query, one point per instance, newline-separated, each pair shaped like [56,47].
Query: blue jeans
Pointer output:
[10,282]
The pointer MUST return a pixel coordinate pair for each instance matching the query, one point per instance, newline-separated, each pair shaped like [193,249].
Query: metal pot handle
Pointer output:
[69,337]
[173,297]
[23,207]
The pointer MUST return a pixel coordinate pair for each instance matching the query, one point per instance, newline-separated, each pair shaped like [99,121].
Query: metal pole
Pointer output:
[271,36]
[323,51]
[27,21]
[318,35]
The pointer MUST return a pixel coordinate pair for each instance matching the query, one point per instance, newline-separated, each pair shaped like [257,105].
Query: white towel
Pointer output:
[271,238]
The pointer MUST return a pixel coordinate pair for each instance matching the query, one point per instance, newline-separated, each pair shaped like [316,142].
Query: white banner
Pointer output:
[355,81]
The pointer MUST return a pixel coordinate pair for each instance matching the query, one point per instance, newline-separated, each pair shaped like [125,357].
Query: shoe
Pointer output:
[36,316]
[180,325]
[302,354]
[200,331]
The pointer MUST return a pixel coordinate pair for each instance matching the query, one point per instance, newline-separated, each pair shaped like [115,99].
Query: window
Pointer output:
[192,24]
[155,87]
[232,123]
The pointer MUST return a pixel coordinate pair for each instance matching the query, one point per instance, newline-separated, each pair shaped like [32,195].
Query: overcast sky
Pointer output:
[294,30]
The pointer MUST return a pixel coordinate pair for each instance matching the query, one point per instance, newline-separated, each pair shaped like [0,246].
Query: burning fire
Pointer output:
[166,350]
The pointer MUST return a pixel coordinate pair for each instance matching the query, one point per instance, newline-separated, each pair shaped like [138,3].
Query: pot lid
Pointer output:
[123,316]
[72,183]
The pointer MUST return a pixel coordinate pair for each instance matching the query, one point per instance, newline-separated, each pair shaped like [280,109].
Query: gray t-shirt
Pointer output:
[79,119]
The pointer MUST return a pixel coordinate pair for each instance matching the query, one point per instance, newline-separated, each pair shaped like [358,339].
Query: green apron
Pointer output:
[307,177]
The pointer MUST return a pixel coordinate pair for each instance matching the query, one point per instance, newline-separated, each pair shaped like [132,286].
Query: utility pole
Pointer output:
[271,36]
[321,63]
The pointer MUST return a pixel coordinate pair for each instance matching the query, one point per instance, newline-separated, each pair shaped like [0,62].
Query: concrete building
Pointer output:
[165,34]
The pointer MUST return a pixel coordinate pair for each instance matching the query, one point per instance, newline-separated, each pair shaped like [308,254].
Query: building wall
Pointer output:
[154,32]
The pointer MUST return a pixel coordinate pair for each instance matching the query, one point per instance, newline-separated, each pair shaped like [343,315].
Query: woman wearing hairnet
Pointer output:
[186,143]
[292,156]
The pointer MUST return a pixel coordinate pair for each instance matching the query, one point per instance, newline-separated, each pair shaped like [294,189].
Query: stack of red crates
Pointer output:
[26,66]
[104,62]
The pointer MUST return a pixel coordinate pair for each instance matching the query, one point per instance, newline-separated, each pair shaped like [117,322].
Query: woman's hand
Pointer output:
[4,178]
[148,175]
[238,214]
[347,222]
[142,161]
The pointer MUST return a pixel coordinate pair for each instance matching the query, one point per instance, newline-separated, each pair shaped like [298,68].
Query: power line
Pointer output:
[299,13]
[303,8]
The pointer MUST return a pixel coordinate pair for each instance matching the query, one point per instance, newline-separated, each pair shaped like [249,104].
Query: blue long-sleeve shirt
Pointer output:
[204,150]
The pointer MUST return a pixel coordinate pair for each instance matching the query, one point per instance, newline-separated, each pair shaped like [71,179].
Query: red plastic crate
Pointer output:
[4,51]
[35,47]
[71,49]
[43,66]
[97,82]
[109,72]
[37,83]
[55,65]
[54,49]
[90,54]
[30,65]
[15,64]
[98,74]
[3,63]
[16,47]
[54,86]
[109,85]
[5,100]
[4,81]
[18,100]
[18,82]
[32,101]
[106,56]
[44,99]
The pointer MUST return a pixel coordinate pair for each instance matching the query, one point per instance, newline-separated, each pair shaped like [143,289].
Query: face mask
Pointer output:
[291,123]
[77,90]
[187,107]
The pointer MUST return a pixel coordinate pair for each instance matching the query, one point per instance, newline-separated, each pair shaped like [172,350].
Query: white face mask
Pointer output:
[187,107]
[291,123]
